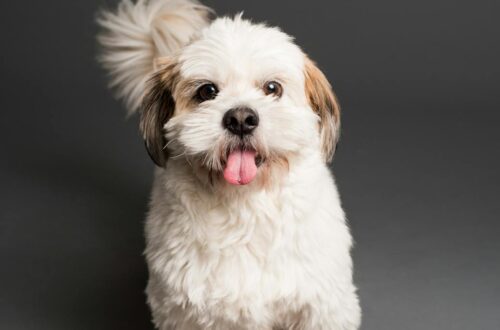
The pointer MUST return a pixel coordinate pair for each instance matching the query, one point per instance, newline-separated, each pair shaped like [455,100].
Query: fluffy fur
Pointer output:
[138,33]
[272,254]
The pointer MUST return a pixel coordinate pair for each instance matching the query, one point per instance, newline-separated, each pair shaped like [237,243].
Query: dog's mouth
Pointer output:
[241,165]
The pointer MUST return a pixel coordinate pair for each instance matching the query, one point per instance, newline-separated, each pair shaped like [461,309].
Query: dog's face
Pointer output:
[239,102]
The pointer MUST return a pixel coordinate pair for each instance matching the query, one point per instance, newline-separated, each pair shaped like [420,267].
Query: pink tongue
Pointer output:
[240,167]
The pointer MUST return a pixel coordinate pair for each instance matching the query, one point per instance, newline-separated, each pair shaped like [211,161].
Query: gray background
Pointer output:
[417,166]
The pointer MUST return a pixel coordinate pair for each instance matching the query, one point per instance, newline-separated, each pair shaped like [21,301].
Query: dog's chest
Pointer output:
[237,259]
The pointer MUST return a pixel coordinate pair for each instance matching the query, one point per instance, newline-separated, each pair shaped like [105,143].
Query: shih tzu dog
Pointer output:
[245,228]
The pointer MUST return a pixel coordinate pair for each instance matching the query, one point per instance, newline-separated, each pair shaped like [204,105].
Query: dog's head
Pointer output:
[240,102]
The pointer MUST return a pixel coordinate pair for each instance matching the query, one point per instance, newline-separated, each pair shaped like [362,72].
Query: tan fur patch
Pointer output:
[272,170]
[324,102]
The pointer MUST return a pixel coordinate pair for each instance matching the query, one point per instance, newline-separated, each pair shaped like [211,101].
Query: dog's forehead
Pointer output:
[236,48]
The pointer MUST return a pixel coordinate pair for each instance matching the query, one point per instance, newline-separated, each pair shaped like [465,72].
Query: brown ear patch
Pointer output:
[157,108]
[324,103]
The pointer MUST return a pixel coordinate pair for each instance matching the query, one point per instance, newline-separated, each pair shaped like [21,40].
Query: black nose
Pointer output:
[240,121]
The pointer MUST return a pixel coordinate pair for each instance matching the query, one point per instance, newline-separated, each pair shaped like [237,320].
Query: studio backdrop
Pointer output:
[417,165]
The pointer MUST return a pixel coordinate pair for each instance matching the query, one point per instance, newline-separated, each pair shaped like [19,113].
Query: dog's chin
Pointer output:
[232,161]
[241,165]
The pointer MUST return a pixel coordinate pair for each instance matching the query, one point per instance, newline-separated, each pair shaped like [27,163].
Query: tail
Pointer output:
[137,33]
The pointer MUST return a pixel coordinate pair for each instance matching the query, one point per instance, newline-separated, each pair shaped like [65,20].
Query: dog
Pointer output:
[245,228]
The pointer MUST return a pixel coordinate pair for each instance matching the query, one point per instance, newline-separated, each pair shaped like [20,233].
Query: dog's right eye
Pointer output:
[207,92]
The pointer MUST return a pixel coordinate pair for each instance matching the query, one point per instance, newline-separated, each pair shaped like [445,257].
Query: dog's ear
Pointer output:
[324,103]
[157,108]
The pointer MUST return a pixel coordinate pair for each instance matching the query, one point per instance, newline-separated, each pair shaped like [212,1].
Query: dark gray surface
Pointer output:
[417,166]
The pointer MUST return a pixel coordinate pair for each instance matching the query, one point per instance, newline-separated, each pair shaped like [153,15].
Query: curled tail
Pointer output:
[137,33]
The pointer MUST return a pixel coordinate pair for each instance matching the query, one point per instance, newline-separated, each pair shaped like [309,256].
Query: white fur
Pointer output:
[243,257]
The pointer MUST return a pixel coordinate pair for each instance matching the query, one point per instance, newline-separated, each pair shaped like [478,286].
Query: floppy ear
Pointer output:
[324,103]
[157,108]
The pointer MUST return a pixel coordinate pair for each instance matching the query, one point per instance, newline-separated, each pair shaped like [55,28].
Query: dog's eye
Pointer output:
[273,88]
[207,92]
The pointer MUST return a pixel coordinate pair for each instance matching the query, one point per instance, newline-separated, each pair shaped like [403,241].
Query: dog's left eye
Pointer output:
[273,88]
[207,92]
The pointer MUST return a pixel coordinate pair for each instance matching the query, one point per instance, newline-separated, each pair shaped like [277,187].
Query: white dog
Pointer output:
[245,229]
